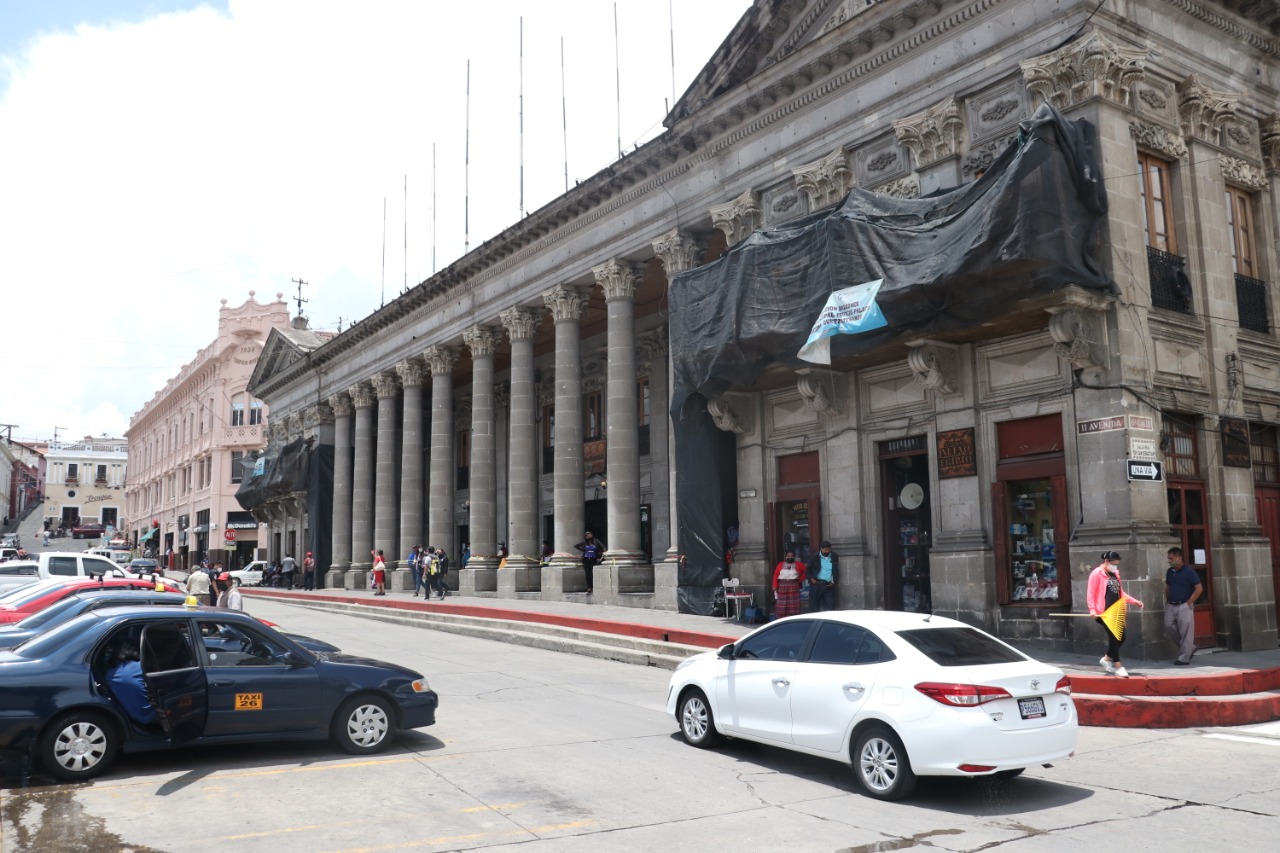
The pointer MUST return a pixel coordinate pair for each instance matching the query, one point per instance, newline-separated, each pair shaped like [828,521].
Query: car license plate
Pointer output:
[253,702]
[1031,708]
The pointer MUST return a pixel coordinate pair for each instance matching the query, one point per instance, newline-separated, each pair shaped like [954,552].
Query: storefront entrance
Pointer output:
[1189,514]
[904,487]
[795,523]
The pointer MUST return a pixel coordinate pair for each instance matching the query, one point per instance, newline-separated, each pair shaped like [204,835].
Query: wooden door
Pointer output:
[1189,523]
[1268,505]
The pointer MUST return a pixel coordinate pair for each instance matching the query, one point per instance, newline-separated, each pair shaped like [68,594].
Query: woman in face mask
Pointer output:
[787,578]
[1105,590]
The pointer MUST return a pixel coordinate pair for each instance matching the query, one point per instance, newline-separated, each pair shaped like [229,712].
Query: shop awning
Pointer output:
[151,532]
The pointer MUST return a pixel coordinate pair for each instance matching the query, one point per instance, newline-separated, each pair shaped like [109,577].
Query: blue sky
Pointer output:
[158,156]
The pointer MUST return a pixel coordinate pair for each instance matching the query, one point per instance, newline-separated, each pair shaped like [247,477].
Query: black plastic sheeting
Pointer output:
[949,261]
[299,466]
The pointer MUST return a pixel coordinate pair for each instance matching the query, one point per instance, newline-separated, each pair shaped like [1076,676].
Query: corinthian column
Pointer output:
[362,486]
[622,460]
[522,481]
[566,304]
[440,528]
[385,511]
[412,374]
[483,522]
[341,405]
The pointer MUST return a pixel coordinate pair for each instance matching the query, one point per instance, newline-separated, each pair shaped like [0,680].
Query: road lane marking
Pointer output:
[494,808]
[1244,739]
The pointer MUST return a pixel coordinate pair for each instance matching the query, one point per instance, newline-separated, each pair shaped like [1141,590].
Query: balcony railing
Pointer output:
[233,435]
[1251,304]
[1170,286]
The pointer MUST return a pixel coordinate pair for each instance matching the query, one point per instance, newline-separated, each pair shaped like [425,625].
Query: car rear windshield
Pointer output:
[45,644]
[960,646]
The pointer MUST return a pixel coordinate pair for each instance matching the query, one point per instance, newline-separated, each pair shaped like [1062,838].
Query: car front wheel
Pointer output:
[78,746]
[697,723]
[364,724]
[881,764]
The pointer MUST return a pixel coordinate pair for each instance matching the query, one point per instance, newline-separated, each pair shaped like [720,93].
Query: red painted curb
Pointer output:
[1176,712]
[1230,683]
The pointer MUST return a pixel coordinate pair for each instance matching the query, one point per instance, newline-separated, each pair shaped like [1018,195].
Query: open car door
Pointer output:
[175,680]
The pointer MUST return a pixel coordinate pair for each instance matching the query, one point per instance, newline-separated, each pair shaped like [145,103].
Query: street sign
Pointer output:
[1152,472]
[1142,449]
[230,535]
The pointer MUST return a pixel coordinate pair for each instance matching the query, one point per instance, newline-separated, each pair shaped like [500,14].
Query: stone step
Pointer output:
[1176,712]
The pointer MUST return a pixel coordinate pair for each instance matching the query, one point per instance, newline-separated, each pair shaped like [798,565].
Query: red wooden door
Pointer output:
[1268,504]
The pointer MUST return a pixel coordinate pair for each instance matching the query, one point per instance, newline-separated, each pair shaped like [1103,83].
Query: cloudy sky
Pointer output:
[158,156]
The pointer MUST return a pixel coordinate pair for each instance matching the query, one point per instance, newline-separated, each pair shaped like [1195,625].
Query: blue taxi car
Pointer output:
[211,677]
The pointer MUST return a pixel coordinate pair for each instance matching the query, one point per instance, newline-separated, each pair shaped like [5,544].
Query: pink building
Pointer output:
[186,446]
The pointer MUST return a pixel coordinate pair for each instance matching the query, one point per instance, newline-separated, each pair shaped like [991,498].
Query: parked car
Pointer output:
[898,695]
[119,556]
[7,553]
[212,677]
[11,540]
[18,604]
[145,566]
[250,575]
[52,564]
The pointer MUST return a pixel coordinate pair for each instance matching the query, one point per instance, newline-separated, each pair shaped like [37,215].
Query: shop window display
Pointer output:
[1032,553]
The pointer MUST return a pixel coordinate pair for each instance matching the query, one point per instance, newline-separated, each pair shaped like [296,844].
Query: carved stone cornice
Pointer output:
[1202,112]
[908,187]
[1158,139]
[820,390]
[521,323]
[440,359]
[316,415]
[361,395]
[1092,66]
[481,340]
[618,279]
[1243,174]
[595,371]
[279,431]
[981,157]
[341,405]
[730,414]
[385,384]
[934,365]
[932,135]
[825,181]
[1271,142]
[566,302]
[295,424]
[678,252]
[412,373]
[738,218]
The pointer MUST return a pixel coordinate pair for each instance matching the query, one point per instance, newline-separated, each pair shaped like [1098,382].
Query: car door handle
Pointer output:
[854,687]
[223,683]
[781,682]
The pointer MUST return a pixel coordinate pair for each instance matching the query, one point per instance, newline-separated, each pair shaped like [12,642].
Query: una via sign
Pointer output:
[1150,471]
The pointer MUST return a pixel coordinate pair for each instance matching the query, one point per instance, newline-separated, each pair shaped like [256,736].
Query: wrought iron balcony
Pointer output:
[1251,304]
[1170,285]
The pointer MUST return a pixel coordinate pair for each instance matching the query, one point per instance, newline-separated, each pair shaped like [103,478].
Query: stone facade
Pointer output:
[977,476]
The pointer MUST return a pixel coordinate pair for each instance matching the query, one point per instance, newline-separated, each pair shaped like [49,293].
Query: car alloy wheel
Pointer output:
[697,724]
[78,746]
[363,724]
[881,764]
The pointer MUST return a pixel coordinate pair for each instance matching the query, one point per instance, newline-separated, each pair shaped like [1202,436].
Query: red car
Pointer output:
[21,602]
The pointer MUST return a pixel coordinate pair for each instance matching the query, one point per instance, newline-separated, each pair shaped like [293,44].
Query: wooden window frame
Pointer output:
[1163,168]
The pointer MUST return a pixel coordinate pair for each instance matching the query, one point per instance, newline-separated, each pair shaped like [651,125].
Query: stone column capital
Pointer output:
[481,340]
[738,218]
[385,384]
[826,181]
[566,302]
[279,430]
[1271,142]
[619,279]
[521,323]
[440,359]
[317,414]
[1202,112]
[1090,66]
[295,424]
[678,251]
[412,373]
[650,346]
[934,365]
[341,405]
[932,135]
[361,395]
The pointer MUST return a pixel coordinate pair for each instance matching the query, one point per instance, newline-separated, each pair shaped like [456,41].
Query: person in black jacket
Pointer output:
[592,550]
[823,573]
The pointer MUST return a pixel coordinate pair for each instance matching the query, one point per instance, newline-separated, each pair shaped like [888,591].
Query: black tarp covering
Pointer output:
[284,470]
[951,261]
[712,452]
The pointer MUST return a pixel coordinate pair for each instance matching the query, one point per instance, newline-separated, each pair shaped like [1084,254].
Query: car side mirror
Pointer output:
[726,652]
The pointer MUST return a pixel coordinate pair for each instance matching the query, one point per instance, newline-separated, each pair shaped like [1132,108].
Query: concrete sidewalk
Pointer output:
[1219,688]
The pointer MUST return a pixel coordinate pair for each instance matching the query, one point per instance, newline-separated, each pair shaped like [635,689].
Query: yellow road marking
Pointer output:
[493,808]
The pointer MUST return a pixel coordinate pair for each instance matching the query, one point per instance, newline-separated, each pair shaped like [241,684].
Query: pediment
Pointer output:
[277,354]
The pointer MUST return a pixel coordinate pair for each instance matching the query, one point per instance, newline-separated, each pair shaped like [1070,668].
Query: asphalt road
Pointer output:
[540,751]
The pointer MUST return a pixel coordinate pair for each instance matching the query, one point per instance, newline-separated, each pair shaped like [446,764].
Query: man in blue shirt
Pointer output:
[1182,587]
[823,573]
[129,687]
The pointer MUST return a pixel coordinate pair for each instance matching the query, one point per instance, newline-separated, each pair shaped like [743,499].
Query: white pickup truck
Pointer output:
[56,564]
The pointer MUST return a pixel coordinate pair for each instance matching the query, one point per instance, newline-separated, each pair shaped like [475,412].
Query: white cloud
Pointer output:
[149,170]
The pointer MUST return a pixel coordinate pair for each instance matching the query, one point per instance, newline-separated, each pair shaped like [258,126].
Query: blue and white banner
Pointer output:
[847,312]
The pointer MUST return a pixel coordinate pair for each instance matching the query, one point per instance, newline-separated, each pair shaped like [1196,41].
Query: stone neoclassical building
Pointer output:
[973,468]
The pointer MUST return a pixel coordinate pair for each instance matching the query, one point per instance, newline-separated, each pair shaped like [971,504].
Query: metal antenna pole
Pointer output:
[298,299]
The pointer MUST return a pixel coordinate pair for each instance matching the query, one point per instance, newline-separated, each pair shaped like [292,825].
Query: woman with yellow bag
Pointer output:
[1107,603]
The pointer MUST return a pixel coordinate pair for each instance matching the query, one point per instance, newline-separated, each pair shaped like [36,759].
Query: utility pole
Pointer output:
[298,299]
[55,433]
[8,428]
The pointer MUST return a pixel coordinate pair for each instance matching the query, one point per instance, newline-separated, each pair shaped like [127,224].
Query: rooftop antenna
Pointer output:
[564,117]
[617,77]
[522,116]
[466,173]
[55,433]
[298,299]
[671,29]
[384,252]
[406,234]
[433,208]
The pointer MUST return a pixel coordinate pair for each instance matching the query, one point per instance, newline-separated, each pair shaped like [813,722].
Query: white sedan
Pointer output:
[250,575]
[897,695]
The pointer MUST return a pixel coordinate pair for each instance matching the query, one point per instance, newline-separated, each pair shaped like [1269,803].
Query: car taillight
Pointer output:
[1063,685]
[962,695]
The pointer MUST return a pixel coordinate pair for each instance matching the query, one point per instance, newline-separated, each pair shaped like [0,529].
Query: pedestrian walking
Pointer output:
[415,567]
[440,568]
[229,597]
[592,550]
[787,579]
[287,567]
[1107,603]
[822,573]
[1182,587]
[309,572]
[379,572]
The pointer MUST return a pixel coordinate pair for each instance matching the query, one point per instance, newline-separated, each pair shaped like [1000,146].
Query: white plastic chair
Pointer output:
[732,594]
